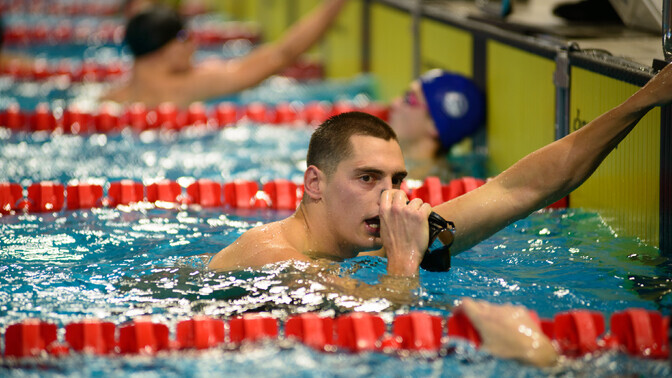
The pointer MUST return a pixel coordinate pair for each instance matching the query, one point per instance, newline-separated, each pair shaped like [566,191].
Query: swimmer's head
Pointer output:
[152,29]
[330,143]
[455,104]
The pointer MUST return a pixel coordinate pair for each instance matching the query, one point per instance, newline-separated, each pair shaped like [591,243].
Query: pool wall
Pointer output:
[537,89]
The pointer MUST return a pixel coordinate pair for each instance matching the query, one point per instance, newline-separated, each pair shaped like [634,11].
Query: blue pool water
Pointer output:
[117,264]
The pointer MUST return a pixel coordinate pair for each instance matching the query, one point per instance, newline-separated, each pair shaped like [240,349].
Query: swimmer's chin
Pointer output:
[374,242]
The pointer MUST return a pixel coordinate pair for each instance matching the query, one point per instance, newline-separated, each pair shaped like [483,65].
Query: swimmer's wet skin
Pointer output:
[340,185]
[355,166]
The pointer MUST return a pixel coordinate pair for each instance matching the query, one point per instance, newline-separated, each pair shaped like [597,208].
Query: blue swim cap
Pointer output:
[456,105]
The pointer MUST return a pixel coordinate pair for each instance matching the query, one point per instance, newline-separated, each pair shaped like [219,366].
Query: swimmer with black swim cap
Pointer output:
[163,71]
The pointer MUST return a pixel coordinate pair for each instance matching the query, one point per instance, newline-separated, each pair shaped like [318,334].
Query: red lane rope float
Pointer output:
[91,336]
[278,194]
[311,329]
[201,332]
[109,119]
[354,332]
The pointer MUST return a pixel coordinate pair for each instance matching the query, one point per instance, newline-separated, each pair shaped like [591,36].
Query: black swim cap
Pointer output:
[152,29]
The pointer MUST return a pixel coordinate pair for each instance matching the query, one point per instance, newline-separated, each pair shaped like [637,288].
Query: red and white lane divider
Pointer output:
[86,71]
[167,116]
[91,71]
[637,332]
[279,194]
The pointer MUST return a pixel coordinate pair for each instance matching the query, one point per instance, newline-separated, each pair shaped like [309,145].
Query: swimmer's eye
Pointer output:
[366,178]
[397,182]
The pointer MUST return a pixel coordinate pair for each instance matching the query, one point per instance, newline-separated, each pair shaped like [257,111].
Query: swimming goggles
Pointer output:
[411,99]
[438,260]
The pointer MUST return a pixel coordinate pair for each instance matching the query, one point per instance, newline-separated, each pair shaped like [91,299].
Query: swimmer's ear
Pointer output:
[312,182]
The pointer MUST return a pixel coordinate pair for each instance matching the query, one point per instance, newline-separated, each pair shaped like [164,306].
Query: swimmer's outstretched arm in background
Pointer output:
[223,77]
[552,172]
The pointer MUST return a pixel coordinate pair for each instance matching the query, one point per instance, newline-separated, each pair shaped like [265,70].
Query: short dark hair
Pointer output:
[330,143]
[152,29]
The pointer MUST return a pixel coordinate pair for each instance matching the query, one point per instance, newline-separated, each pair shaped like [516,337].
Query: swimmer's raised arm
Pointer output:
[237,74]
[552,172]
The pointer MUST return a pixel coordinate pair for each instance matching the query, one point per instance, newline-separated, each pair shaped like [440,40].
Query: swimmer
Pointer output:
[437,111]
[353,205]
[163,71]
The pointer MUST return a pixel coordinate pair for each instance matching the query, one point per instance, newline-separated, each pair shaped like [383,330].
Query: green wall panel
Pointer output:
[391,59]
[625,188]
[520,104]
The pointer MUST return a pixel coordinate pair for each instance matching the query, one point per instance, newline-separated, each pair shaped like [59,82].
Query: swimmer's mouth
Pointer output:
[373,226]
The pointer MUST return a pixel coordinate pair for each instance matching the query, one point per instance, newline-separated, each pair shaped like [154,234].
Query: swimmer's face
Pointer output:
[352,192]
[409,116]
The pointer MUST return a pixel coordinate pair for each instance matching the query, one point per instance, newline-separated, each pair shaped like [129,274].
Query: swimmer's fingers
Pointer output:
[399,198]
[392,199]
[415,203]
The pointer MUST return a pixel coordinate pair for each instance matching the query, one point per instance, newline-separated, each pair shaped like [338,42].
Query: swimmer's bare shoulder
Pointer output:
[265,244]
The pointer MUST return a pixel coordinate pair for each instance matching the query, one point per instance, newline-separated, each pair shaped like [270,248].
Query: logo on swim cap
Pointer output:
[455,104]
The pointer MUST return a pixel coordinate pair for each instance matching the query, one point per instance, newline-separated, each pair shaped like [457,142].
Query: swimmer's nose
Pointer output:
[386,185]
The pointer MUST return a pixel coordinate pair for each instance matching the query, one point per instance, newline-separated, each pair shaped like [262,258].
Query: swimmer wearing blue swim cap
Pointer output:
[438,110]
[456,105]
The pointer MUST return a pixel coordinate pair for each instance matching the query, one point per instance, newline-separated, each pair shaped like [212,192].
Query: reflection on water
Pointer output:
[117,264]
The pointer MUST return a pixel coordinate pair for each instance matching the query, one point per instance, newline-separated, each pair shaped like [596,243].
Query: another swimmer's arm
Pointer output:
[552,172]
[508,331]
[241,73]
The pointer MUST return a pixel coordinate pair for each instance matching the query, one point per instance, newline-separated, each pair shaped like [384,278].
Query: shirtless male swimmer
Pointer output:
[352,203]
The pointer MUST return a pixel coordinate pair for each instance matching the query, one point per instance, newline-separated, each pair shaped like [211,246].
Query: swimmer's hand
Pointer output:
[508,331]
[404,231]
